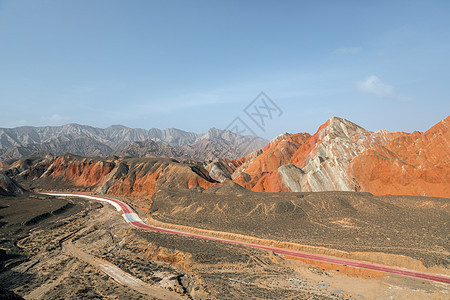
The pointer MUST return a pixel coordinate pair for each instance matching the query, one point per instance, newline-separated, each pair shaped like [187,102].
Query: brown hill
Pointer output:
[227,187]
[263,170]
[137,177]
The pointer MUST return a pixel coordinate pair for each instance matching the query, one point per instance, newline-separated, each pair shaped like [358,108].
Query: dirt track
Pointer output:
[37,267]
[117,274]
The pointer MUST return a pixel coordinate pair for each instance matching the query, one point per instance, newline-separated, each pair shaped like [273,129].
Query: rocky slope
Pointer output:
[214,144]
[16,143]
[149,148]
[58,146]
[413,164]
[137,177]
[9,187]
[342,156]
[262,173]
[3,165]
[115,136]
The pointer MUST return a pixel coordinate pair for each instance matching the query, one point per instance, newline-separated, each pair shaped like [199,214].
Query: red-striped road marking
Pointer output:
[322,258]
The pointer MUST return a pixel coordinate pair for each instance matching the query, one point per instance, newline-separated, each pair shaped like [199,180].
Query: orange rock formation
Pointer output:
[344,156]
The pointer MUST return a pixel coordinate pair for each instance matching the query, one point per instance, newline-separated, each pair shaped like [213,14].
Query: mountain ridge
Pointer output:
[343,156]
[19,142]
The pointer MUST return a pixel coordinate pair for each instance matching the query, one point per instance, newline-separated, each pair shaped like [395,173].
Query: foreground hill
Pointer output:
[137,177]
[342,156]
[20,142]
[346,221]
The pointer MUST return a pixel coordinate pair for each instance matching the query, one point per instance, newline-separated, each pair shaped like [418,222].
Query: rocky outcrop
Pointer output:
[325,157]
[9,187]
[261,174]
[289,176]
[3,165]
[221,169]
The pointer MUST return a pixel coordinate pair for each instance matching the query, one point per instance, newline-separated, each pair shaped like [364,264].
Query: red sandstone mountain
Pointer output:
[411,164]
[261,174]
[342,156]
[137,177]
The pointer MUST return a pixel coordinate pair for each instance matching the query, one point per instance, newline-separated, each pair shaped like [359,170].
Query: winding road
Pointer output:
[131,217]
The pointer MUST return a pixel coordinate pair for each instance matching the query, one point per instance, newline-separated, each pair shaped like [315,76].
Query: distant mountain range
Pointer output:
[20,142]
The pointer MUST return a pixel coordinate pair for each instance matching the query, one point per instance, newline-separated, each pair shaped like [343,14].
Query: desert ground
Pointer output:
[70,248]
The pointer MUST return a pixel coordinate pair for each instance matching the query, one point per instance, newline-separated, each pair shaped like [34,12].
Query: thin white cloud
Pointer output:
[350,50]
[373,85]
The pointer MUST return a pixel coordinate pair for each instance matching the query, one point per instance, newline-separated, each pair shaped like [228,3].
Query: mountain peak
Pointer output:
[277,138]
[227,187]
[339,126]
[117,126]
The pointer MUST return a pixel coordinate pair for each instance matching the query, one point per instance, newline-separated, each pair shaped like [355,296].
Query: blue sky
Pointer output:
[197,64]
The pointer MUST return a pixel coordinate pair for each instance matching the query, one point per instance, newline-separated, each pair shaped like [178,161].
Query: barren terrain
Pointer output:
[411,227]
[87,250]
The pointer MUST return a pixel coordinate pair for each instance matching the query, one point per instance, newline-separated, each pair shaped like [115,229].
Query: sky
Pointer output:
[194,65]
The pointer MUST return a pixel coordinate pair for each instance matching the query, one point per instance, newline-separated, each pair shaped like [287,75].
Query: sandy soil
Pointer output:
[389,229]
[61,256]
[47,259]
